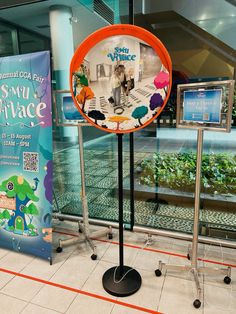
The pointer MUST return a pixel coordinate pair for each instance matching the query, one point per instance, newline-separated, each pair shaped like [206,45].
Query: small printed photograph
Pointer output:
[69,109]
[121,84]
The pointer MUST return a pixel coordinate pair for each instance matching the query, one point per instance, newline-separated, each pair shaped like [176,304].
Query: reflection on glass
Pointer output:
[6,41]
[31,42]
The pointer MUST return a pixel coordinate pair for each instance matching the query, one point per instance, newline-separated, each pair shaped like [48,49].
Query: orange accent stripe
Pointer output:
[216,262]
[152,250]
[120,30]
[89,294]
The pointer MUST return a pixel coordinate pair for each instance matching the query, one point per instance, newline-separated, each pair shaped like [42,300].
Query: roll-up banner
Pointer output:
[26,154]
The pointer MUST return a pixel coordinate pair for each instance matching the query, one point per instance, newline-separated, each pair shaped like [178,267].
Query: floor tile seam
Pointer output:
[91,272]
[113,307]
[39,280]
[46,308]
[79,291]
[11,296]
[70,303]
[203,293]
[88,278]
[162,288]
[14,275]
[100,260]
[230,308]
[43,285]
[7,252]
[24,307]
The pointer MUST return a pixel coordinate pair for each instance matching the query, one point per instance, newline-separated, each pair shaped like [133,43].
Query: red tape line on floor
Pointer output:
[89,294]
[151,250]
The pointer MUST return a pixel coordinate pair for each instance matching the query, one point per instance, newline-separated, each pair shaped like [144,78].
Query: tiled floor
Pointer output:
[73,284]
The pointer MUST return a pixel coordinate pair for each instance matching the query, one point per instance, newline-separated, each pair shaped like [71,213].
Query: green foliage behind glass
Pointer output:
[177,171]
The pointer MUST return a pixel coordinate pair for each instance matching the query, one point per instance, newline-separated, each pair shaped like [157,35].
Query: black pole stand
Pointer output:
[131,141]
[121,281]
[131,161]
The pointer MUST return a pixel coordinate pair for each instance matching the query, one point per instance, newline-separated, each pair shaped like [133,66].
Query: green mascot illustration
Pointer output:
[19,188]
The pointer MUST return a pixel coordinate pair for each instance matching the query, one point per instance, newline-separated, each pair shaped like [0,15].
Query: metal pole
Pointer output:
[81,155]
[146,230]
[121,218]
[197,198]
[131,156]
[131,141]
[131,12]
[82,172]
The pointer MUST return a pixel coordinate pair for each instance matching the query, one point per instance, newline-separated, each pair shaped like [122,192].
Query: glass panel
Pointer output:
[166,156]
[6,40]
[31,42]
[100,161]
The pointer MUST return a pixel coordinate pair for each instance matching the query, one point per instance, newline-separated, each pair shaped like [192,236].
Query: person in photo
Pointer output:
[125,79]
[115,87]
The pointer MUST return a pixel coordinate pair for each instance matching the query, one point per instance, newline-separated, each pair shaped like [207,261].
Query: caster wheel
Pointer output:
[188,257]
[197,303]
[110,236]
[227,280]
[94,257]
[59,249]
[158,273]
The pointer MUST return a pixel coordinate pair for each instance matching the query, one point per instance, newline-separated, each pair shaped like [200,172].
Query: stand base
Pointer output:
[196,271]
[88,237]
[130,283]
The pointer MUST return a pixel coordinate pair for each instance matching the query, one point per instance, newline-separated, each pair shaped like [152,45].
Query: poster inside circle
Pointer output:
[122,83]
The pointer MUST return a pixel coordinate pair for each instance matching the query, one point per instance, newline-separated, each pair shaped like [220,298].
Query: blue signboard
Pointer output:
[26,154]
[70,111]
[202,106]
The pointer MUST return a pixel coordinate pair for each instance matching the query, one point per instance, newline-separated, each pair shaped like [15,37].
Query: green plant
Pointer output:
[177,171]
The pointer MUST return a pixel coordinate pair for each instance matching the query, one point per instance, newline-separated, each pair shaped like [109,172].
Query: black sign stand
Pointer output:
[131,162]
[121,281]
[131,140]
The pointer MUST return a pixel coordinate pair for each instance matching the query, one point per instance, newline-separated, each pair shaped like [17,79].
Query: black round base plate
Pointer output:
[130,283]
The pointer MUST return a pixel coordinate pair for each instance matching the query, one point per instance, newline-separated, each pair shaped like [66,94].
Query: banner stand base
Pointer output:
[121,284]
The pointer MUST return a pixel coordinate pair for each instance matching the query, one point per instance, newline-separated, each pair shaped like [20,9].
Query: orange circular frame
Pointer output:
[119,30]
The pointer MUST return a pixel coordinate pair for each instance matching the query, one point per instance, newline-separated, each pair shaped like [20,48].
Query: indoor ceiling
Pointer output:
[33,16]
[13,3]
[192,50]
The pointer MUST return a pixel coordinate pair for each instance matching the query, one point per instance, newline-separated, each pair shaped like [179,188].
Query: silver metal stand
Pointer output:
[193,268]
[84,226]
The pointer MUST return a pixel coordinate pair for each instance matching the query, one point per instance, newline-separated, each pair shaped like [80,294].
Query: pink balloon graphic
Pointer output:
[162,80]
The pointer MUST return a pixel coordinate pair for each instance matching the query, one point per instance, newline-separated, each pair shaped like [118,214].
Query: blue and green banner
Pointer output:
[26,154]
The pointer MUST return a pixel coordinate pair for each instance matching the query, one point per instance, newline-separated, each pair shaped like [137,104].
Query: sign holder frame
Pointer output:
[193,255]
[82,227]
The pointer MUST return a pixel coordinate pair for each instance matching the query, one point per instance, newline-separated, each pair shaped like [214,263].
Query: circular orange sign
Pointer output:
[120,78]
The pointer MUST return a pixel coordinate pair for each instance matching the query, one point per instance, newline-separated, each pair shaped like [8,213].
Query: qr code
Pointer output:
[31,161]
